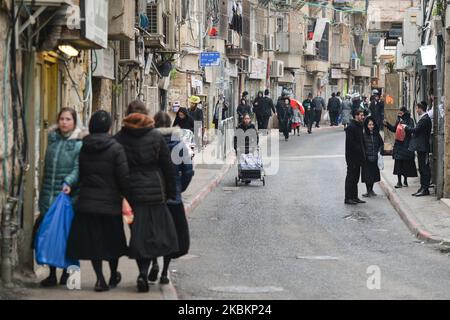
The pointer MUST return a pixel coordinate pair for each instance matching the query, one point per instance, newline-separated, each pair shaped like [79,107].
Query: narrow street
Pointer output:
[295,238]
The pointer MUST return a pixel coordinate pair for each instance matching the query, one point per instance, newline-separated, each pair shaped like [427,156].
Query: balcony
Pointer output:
[235,53]
[363,71]
[315,64]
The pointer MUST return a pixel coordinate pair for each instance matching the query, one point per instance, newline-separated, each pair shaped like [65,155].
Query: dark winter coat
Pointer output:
[196,114]
[152,176]
[318,103]
[242,110]
[266,107]
[377,112]
[285,115]
[334,105]
[401,148]
[250,141]
[421,134]
[184,170]
[104,175]
[373,141]
[186,123]
[354,144]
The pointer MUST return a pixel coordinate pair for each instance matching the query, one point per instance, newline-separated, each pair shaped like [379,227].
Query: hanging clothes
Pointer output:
[236,17]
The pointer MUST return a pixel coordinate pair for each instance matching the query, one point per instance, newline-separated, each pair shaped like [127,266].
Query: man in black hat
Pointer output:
[420,143]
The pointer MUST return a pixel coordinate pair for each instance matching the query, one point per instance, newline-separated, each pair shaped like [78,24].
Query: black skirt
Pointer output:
[182,228]
[370,173]
[96,237]
[153,232]
[406,168]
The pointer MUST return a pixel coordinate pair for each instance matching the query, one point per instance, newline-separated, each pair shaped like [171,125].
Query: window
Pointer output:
[323,46]
[152,14]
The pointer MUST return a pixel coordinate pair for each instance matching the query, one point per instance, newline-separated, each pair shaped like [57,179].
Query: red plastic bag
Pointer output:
[400,133]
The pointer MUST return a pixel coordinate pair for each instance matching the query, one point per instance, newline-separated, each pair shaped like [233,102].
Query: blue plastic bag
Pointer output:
[51,239]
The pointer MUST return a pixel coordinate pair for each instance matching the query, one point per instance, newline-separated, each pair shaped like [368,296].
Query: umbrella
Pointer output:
[297,104]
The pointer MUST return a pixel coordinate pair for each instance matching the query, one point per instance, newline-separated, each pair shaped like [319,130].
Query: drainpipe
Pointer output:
[8,229]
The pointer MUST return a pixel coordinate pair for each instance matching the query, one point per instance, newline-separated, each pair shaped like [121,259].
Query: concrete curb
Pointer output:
[169,292]
[194,203]
[405,213]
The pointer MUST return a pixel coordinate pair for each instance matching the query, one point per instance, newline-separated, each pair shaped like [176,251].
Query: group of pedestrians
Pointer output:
[108,176]
[365,147]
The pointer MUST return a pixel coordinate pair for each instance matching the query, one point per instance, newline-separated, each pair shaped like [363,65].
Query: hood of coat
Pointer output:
[77,134]
[138,124]
[245,128]
[366,125]
[174,133]
[98,142]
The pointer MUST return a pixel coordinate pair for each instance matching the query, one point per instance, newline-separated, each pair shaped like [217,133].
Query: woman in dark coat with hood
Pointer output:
[285,115]
[97,232]
[243,109]
[184,120]
[405,164]
[152,184]
[184,173]
[374,144]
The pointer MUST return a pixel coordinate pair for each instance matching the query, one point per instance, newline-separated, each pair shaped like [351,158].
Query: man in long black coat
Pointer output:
[376,108]
[334,108]
[355,157]
[421,144]
[267,109]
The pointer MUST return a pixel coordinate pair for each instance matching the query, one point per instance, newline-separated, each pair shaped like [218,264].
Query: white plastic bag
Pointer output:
[380,161]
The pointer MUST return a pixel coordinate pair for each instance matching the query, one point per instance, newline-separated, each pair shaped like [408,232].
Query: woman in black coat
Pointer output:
[184,173]
[184,120]
[405,164]
[152,180]
[374,144]
[97,232]
[243,109]
[285,115]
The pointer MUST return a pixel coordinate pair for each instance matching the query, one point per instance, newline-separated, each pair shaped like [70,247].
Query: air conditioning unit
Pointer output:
[269,41]
[411,33]
[246,65]
[128,53]
[277,70]
[355,64]
[254,49]
[250,65]
[374,72]
[310,49]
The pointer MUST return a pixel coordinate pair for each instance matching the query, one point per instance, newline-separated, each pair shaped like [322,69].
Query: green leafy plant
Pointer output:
[390,66]
[117,89]
[439,8]
[173,74]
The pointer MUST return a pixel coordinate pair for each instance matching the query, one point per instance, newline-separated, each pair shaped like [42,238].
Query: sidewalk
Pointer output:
[206,178]
[426,217]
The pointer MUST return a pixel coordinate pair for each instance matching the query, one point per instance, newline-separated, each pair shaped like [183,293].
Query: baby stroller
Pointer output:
[250,166]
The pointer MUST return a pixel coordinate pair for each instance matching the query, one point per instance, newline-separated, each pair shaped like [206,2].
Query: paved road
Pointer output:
[295,238]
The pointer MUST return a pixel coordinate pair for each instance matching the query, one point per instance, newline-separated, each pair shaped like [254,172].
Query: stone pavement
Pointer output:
[426,217]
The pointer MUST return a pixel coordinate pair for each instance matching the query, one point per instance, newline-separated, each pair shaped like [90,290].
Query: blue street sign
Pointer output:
[209,59]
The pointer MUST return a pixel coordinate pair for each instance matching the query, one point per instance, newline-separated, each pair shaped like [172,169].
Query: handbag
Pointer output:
[400,133]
